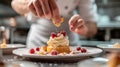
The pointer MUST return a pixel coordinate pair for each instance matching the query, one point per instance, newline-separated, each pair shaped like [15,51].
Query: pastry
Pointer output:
[114,60]
[58,42]
[58,24]
[116,45]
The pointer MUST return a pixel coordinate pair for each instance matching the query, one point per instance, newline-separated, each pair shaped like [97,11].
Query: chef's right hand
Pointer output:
[45,9]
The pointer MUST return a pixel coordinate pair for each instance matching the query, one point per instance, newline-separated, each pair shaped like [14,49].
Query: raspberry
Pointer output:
[32,51]
[53,35]
[54,52]
[78,48]
[37,49]
[63,32]
[83,50]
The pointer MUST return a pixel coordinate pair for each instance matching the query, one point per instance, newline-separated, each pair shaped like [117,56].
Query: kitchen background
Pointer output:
[108,23]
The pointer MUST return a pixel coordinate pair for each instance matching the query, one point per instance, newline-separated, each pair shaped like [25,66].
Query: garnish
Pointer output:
[31,51]
[53,35]
[58,24]
[54,52]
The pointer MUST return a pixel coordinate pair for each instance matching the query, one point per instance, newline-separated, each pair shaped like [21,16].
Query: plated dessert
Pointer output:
[116,45]
[57,49]
[3,44]
[58,44]
[114,58]
[3,41]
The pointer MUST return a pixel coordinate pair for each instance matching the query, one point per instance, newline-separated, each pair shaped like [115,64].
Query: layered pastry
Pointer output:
[58,42]
[116,45]
[114,58]
[3,44]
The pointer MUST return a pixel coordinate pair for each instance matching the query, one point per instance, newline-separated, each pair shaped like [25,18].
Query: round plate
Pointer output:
[108,47]
[24,52]
[10,47]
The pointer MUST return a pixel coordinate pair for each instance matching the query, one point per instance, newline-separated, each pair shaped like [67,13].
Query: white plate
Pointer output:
[108,47]
[24,52]
[12,46]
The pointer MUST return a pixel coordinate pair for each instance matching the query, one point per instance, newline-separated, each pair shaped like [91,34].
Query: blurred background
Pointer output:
[108,23]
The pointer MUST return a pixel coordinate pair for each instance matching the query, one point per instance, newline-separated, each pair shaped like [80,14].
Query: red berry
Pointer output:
[32,51]
[37,49]
[78,48]
[63,32]
[83,50]
[53,35]
[54,52]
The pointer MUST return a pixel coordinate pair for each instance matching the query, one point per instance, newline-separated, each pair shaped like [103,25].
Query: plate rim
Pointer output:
[53,57]
[108,48]
[14,46]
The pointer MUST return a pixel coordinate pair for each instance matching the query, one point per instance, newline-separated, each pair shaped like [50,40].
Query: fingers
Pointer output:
[81,30]
[55,11]
[73,19]
[46,8]
[38,8]
[32,8]
[75,22]
[80,23]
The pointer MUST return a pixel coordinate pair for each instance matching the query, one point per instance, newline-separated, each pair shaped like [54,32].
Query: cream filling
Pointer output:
[58,41]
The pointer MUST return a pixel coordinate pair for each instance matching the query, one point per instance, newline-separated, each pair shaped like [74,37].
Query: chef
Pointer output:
[80,19]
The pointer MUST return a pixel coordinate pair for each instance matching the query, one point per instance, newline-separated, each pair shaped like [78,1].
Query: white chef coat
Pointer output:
[41,28]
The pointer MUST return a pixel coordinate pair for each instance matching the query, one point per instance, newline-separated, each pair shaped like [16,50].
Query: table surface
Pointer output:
[91,62]
[12,58]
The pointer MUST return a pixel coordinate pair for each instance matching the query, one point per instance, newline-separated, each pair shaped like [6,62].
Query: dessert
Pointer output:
[43,51]
[114,58]
[3,43]
[58,42]
[116,45]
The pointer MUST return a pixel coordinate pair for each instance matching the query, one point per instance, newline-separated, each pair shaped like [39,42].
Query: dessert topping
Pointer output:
[54,52]
[78,48]
[37,49]
[31,51]
[83,50]
[53,35]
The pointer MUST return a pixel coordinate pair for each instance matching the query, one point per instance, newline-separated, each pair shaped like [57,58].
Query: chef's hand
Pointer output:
[45,9]
[77,25]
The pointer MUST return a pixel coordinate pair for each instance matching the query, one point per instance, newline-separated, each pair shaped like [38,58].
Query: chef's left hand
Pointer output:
[77,25]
